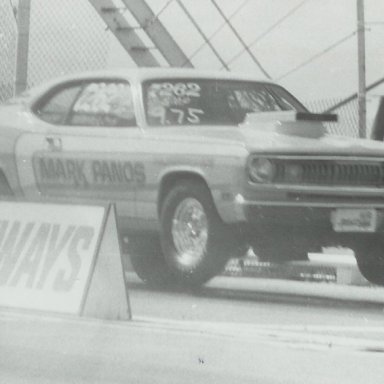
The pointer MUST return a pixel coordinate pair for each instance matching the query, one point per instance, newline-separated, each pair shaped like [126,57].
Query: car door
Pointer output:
[84,145]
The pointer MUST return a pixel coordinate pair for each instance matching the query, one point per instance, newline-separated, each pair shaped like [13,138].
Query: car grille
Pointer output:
[330,172]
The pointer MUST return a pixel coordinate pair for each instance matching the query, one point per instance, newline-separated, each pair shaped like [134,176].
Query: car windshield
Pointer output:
[211,102]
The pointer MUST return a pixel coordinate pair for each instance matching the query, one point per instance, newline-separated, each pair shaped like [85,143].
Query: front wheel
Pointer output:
[195,242]
[369,253]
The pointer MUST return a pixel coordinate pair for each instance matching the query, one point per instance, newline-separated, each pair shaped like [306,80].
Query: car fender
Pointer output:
[223,188]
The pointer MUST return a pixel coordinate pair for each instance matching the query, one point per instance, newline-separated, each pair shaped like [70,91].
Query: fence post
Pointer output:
[23,20]
[361,64]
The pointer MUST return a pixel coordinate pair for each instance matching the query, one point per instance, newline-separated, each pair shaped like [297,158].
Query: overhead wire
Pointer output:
[14,9]
[317,56]
[158,14]
[268,30]
[203,35]
[374,23]
[354,96]
[240,39]
[233,14]
[246,47]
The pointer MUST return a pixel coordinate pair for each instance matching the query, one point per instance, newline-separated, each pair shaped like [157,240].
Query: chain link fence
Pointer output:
[68,36]
[65,36]
[348,119]
[8,33]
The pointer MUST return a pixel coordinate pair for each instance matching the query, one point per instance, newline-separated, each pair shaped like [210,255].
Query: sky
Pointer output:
[314,27]
[67,35]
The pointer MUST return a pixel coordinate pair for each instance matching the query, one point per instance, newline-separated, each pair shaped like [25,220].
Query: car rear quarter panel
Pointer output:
[10,130]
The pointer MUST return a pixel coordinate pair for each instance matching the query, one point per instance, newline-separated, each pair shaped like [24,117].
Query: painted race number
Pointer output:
[191,115]
[170,103]
[180,89]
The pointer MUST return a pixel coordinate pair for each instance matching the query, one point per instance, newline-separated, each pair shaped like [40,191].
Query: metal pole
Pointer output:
[361,68]
[23,19]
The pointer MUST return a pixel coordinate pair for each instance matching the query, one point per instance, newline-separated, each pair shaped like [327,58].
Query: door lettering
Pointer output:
[84,173]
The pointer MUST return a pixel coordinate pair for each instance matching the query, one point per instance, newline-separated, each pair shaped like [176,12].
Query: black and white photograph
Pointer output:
[191,191]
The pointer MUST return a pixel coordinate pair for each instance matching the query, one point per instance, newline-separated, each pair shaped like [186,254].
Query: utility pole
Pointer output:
[23,19]
[361,68]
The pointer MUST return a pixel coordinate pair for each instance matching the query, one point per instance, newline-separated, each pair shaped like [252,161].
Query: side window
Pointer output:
[56,108]
[104,103]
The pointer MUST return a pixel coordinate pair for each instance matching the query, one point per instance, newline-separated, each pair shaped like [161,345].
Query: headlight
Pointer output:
[261,170]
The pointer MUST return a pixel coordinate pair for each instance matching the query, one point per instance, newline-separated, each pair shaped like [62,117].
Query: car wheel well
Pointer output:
[176,177]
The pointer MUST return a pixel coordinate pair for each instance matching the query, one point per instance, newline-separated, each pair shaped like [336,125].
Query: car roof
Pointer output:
[139,74]
[146,73]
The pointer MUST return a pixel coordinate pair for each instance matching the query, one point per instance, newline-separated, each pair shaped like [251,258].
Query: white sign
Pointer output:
[47,253]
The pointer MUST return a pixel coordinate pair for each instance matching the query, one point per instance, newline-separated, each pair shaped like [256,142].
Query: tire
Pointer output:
[196,243]
[369,253]
[148,261]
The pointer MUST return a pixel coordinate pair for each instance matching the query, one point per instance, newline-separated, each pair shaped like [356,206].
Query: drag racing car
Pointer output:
[201,166]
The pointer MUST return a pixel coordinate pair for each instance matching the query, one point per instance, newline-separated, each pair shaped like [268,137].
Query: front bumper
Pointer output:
[304,205]
[303,223]
[300,215]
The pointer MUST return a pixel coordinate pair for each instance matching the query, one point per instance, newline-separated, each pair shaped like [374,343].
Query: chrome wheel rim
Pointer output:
[189,233]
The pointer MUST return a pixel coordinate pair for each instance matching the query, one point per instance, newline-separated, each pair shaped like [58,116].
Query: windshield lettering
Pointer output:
[212,102]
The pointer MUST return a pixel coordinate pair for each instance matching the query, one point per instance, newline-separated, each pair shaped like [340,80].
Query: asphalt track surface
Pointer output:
[209,336]
[296,316]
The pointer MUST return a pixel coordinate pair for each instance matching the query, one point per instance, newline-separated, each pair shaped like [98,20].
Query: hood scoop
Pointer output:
[291,123]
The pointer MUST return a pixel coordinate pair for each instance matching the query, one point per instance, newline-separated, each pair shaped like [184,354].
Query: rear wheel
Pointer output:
[148,261]
[196,243]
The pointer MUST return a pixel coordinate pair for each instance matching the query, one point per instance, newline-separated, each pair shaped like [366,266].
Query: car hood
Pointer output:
[256,141]
[262,138]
